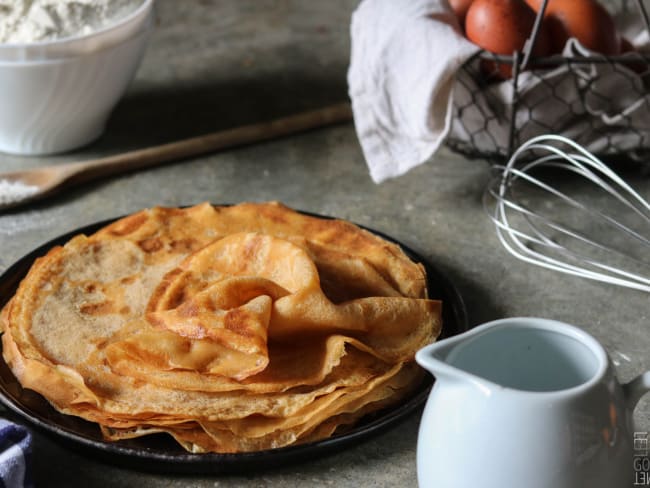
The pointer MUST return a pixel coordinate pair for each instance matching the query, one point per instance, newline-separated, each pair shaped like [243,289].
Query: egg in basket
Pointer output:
[577,68]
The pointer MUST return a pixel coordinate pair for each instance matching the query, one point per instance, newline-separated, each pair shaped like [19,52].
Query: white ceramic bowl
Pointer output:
[57,95]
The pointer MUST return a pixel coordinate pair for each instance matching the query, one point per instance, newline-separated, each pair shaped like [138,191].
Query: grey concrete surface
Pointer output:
[215,64]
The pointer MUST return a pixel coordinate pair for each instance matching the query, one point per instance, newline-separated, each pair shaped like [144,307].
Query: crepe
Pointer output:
[230,328]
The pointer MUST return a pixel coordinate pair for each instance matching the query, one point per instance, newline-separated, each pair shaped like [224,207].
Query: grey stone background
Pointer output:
[216,64]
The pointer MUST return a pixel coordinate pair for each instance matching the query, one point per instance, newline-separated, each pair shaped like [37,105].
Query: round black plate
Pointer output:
[160,452]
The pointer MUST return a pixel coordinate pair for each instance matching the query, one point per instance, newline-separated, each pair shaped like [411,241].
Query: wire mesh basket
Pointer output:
[601,102]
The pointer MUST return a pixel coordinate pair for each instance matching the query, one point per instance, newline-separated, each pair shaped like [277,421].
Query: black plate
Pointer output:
[160,452]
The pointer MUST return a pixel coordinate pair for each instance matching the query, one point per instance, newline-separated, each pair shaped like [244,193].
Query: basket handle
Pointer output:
[530,43]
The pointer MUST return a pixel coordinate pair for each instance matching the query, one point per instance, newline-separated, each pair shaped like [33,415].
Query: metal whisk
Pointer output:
[588,222]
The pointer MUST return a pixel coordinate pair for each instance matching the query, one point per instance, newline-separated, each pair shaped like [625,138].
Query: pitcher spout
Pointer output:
[437,358]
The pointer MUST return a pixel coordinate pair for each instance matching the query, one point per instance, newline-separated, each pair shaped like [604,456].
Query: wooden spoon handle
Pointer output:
[142,158]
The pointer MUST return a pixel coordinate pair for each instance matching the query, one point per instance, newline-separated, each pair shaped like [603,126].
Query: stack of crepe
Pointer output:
[233,329]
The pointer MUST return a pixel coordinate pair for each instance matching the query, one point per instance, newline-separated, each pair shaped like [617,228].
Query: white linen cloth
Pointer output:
[404,57]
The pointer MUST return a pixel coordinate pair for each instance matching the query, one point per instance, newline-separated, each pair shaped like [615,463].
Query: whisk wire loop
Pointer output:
[537,238]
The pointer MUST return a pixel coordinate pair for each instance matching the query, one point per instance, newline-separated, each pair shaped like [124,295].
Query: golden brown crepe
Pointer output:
[233,328]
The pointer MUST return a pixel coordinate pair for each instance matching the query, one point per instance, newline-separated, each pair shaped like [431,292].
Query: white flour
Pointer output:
[14,191]
[25,21]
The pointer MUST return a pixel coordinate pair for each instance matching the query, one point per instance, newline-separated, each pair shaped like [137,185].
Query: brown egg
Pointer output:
[626,46]
[460,8]
[586,20]
[502,27]
[636,63]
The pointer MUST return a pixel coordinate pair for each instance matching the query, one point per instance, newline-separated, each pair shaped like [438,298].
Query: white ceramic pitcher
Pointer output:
[526,402]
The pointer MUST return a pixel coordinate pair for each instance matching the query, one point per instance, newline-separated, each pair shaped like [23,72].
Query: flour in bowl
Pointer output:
[26,21]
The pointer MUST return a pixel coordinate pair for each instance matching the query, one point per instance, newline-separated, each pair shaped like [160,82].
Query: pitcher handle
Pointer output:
[636,388]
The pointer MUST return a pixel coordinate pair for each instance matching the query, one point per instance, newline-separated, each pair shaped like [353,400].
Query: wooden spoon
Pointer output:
[20,187]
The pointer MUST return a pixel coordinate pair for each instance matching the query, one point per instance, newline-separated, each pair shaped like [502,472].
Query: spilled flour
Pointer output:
[26,21]
[14,191]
